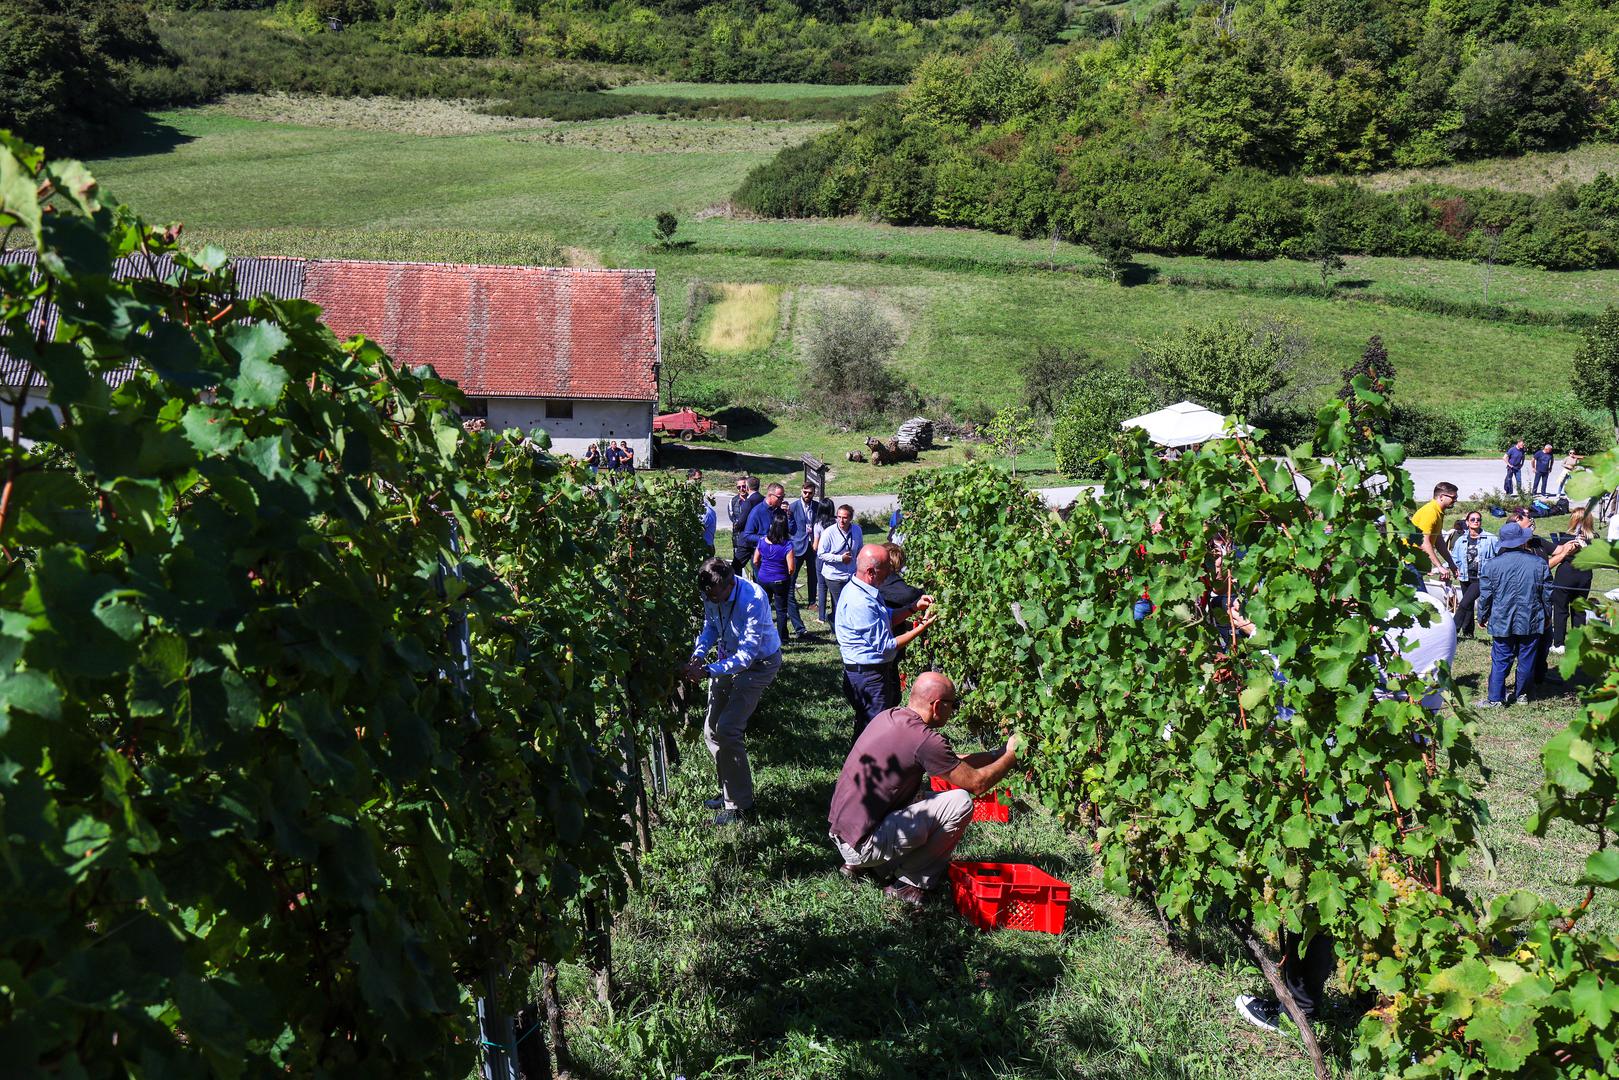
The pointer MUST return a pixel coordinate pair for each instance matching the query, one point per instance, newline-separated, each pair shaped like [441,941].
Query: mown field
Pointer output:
[744,953]
[433,181]
[755,91]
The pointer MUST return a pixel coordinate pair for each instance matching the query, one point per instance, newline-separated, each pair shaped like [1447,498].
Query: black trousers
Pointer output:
[869,693]
[741,558]
[777,591]
[1568,587]
[1306,975]
[812,576]
[1467,606]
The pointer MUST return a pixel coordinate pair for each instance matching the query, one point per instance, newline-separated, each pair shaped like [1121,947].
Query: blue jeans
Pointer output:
[792,599]
[1506,649]
[1515,476]
[1543,480]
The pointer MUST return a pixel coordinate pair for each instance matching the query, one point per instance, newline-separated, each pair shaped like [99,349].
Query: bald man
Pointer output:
[879,825]
[865,629]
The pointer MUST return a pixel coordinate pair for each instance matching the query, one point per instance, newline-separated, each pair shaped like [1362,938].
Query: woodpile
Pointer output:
[890,451]
[915,434]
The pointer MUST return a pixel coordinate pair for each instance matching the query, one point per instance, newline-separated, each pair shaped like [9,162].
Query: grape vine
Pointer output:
[1287,780]
[267,808]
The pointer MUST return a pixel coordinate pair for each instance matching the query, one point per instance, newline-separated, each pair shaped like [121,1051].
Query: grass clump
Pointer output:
[743,319]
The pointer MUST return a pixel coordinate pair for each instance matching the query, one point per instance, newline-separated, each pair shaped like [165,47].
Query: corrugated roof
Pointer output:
[497,331]
[502,331]
[281,278]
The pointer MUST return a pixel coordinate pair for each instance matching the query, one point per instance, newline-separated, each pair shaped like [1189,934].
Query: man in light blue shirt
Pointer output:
[741,630]
[866,641]
[835,556]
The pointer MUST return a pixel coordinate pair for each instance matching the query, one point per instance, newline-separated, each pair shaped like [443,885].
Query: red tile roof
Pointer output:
[502,331]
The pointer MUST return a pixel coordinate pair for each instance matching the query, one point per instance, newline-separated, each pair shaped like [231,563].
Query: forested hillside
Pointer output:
[1198,134]
[68,67]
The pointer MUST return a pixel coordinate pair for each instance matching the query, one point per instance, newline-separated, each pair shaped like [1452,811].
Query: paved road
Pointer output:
[1471,475]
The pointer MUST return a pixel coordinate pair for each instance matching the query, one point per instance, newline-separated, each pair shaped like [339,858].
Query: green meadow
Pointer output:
[971,306]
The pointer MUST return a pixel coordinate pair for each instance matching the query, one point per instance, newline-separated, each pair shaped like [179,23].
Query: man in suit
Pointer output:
[742,503]
[801,518]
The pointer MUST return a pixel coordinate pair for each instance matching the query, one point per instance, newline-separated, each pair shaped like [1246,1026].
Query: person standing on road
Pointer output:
[773,566]
[866,641]
[1570,463]
[1514,461]
[1512,606]
[839,545]
[747,657]
[1543,470]
[801,518]
[1429,521]
[742,503]
[877,822]
[1471,548]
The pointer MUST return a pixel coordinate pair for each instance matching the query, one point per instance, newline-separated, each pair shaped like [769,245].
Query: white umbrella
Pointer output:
[1182,424]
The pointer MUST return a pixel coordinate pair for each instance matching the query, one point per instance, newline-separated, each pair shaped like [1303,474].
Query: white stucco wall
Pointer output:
[630,421]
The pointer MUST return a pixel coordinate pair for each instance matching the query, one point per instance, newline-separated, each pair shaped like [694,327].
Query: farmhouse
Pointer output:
[573,352]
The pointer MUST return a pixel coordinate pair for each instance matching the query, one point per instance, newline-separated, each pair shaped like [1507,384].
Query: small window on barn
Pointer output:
[559,410]
[476,408]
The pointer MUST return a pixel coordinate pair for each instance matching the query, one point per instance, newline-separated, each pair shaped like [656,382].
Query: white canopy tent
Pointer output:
[1182,424]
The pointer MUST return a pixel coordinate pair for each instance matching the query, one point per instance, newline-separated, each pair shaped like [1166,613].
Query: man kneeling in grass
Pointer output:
[879,825]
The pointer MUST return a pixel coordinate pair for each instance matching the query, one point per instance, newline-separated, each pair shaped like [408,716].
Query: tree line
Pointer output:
[1210,135]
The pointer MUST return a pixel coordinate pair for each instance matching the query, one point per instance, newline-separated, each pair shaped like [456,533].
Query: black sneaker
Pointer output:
[716,803]
[1264,1013]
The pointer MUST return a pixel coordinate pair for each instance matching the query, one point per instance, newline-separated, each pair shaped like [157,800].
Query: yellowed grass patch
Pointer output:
[743,319]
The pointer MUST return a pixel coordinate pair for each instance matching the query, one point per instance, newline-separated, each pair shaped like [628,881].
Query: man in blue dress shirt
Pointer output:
[741,630]
[866,641]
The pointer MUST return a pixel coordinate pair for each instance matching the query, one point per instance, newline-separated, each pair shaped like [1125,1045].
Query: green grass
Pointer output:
[742,319]
[971,306]
[755,91]
[744,954]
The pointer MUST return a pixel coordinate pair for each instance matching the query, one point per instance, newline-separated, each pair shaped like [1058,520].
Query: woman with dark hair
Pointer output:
[773,566]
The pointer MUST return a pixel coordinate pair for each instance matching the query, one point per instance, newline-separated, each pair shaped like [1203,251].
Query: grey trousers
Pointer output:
[731,701]
[915,842]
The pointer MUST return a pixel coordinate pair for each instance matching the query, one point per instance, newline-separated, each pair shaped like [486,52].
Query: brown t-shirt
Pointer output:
[884,771]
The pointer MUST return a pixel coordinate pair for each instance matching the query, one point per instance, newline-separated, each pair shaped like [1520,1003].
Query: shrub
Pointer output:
[1426,432]
[1538,424]
[1596,365]
[847,376]
[1245,366]
[1088,419]
[1050,374]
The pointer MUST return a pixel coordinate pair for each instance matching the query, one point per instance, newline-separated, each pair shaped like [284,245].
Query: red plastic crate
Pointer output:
[986,807]
[1015,896]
